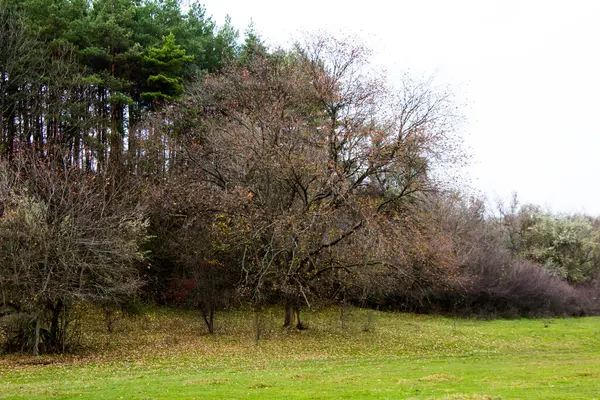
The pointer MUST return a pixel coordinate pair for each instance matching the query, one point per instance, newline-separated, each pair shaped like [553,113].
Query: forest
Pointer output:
[149,156]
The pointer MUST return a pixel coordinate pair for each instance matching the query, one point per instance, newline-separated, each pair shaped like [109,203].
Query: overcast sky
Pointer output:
[526,72]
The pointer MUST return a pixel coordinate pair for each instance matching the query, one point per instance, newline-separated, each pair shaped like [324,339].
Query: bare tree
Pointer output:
[197,271]
[315,164]
[67,236]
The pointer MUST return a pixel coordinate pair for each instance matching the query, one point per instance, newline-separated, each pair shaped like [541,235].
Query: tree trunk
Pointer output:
[56,336]
[116,135]
[292,317]
[208,313]
[12,129]
[111,317]
[77,150]
[36,338]
[38,135]
[289,315]
[102,148]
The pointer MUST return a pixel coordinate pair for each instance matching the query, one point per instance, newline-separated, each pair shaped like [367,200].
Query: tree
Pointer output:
[567,246]
[21,54]
[190,267]
[253,46]
[314,164]
[164,66]
[81,75]
[67,236]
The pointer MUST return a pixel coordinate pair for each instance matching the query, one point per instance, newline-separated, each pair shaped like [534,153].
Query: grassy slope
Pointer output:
[161,355]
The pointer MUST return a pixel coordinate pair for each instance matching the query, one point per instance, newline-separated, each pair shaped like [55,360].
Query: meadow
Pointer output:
[346,353]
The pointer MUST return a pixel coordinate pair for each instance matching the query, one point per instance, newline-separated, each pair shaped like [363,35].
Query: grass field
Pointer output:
[165,354]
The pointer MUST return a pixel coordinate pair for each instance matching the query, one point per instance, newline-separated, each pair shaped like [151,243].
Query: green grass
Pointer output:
[165,354]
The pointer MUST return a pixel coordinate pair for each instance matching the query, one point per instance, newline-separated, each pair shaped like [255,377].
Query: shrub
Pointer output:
[67,236]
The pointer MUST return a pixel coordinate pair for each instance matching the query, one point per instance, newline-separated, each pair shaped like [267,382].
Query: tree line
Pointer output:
[149,155]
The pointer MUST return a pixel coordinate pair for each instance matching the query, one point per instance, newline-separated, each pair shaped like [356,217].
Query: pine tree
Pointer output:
[164,66]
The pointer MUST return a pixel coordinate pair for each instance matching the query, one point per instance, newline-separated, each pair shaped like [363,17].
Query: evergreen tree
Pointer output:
[164,66]
[253,45]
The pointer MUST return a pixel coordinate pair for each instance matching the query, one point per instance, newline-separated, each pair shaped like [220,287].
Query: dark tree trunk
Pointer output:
[116,135]
[38,135]
[111,317]
[76,151]
[12,130]
[54,328]
[101,149]
[292,316]
[56,340]
[288,316]
[36,338]
[208,313]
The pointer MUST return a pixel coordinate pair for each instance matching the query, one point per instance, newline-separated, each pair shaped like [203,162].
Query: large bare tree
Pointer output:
[315,163]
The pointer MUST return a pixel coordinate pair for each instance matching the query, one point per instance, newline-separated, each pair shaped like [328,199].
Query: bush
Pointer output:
[67,236]
[503,286]
[483,275]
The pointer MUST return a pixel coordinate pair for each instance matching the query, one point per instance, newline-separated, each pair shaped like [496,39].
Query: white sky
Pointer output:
[527,73]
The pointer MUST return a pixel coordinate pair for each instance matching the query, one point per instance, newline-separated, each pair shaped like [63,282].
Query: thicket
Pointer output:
[147,155]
